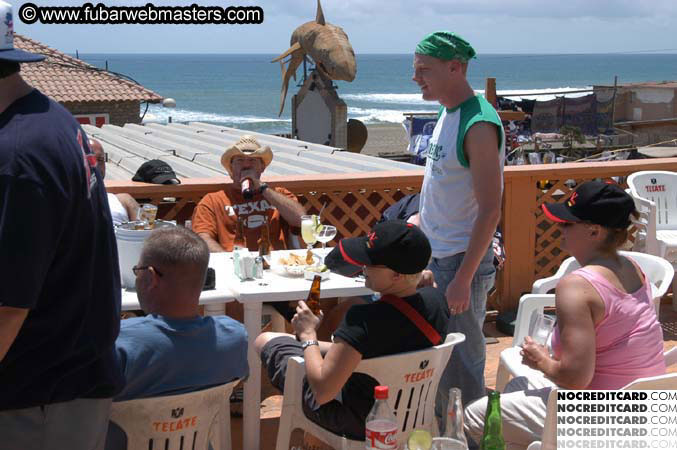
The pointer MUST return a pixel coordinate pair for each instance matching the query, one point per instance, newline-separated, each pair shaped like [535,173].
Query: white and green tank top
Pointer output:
[448,205]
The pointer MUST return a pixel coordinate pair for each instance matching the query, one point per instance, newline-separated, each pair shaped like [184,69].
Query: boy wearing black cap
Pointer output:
[393,256]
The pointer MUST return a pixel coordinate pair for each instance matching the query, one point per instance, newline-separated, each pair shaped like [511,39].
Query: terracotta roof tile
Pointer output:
[67,79]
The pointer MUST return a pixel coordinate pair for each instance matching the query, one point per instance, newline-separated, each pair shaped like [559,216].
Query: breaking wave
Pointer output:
[416,99]
[376,115]
[398,99]
[161,115]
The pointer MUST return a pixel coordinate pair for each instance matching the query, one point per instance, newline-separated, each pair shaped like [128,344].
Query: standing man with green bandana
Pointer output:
[460,202]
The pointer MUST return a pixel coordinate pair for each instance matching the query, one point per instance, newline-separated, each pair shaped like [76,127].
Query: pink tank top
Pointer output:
[629,339]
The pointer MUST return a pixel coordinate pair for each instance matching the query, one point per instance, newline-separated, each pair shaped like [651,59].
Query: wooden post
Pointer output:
[613,103]
[519,231]
[490,91]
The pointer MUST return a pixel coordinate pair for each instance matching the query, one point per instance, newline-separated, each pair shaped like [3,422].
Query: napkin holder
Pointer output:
[243,264]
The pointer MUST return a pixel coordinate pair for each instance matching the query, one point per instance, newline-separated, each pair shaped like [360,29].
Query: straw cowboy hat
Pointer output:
[247,146]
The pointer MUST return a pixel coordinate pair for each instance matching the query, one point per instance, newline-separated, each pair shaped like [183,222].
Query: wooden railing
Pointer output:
[355,202]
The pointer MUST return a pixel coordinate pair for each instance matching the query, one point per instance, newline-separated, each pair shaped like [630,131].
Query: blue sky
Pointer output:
[389,26]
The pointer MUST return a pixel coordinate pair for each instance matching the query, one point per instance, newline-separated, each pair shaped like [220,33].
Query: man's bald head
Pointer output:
[179,260]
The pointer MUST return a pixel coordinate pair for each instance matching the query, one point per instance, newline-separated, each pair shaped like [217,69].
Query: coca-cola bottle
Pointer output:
[381,426]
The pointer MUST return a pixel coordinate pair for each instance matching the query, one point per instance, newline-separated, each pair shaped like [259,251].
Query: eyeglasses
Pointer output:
[136,270]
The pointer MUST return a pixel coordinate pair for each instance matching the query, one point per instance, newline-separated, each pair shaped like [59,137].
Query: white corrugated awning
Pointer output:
[194,151]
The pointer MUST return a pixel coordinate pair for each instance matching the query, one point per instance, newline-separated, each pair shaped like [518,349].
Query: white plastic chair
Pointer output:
[657,270]
[413,402]
[510,361]
[661,382]
[184,421]
[659,188]
[645,239]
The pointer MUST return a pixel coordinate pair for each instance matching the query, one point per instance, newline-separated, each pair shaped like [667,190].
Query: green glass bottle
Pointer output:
[493,430]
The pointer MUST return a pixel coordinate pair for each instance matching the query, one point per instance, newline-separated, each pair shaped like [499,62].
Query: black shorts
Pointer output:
[335,416]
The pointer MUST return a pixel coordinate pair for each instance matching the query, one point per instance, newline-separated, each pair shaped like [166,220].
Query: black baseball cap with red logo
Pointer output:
[396,244]
[595,202]
[156,171]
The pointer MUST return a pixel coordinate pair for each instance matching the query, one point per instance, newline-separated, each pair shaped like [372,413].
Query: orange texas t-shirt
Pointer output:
[217,215]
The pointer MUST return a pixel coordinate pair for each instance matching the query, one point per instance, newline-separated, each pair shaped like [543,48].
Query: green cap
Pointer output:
[445,45]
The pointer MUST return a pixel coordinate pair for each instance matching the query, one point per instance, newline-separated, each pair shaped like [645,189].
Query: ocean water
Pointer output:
[243,91]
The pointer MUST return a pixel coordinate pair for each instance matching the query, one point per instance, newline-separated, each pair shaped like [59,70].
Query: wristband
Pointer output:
[306,344]
[262,187]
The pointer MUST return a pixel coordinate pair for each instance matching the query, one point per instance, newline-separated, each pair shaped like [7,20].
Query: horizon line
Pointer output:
[382,53]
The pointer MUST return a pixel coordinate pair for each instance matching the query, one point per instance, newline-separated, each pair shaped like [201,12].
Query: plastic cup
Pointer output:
[541,328]
[148,213]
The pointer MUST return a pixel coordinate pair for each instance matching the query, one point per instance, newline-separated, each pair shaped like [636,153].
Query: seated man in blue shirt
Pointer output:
[173,349]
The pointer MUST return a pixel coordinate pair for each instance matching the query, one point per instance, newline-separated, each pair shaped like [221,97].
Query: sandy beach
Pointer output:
[385,138]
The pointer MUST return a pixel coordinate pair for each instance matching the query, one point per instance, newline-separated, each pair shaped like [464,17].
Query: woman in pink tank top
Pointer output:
[607,301]
[607,333]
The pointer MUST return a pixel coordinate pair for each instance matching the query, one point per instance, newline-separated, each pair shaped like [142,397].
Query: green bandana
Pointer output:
[445,45]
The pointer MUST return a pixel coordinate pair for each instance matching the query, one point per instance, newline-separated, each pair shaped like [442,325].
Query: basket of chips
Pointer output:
[295,264]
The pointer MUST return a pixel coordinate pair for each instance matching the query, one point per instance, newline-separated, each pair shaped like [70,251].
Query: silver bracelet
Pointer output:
[306,344]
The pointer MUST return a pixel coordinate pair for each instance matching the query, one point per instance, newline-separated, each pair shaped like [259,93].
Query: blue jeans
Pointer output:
[78,424]
[465,369]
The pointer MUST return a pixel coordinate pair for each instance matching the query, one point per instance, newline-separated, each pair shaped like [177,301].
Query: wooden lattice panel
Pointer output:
[353,213]
[353,210]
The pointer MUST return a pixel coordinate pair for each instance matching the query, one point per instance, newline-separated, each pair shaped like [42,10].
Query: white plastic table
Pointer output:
[274,287]
[214,299]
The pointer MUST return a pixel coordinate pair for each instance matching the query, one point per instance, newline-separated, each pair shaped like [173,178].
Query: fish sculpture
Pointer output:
[328,47]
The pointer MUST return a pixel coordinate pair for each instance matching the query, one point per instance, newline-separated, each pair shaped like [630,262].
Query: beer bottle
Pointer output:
[313,300]
[454,436]
[492,438]
[264,242]
[239,233]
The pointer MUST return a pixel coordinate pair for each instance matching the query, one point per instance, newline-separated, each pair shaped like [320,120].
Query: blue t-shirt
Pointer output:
[58,259]
[163,356]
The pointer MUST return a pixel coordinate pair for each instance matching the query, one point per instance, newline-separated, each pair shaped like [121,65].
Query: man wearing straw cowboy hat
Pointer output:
[235,216]
[60,290]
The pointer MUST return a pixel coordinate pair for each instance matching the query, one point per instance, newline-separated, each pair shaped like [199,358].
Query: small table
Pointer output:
[212,299]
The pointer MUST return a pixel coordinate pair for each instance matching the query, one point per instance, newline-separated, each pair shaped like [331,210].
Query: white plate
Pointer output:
[310,275]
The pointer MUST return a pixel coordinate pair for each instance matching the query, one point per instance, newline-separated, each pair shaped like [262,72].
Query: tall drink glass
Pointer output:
[308,227]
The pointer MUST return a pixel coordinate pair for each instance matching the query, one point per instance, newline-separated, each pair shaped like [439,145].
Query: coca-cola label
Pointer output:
[381,439]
